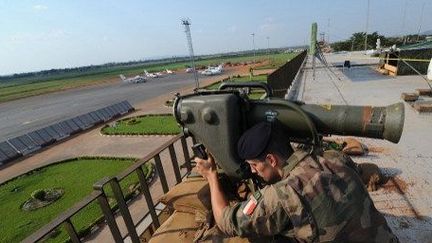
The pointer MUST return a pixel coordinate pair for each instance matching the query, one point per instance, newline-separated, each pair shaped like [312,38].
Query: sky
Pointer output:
[38,35]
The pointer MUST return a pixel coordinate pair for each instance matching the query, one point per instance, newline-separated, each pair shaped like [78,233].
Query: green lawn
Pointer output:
[261,78]
[255,93]
[32,86]
[278,60]
[76,177]
[164,124]
[37,88]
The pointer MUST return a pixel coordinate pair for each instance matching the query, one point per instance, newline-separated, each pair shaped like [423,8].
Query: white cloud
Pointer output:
[40,7]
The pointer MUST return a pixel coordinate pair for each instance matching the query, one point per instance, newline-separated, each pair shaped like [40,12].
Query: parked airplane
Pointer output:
[213,70]
[189,70]
[152,75]
[135,80]
[372,52]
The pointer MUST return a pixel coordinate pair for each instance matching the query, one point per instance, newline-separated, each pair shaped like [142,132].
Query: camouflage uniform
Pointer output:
[317,200]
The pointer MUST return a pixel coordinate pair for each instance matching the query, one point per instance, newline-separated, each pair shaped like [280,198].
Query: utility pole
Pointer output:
[186,23]
[268,48]
[253,45]
[313,46]
[367,25]
[328,31]
[420,22]
[403,22]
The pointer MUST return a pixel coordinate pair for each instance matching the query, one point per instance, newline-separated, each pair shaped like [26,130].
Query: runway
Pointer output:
[24,115]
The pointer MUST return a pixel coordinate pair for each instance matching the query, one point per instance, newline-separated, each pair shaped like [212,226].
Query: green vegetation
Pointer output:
[254,93]
[357,40]
[76,177]
[39,194]
[277,61]
[260,78]
[31,89]
[164,124]
[41,84]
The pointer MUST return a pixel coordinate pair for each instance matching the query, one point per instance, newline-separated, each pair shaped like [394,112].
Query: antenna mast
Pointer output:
[367,26]
[186,22]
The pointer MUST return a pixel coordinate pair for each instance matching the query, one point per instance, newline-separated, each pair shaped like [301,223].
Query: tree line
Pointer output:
[357,41]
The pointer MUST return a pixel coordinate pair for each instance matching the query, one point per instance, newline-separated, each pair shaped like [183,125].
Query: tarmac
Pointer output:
[405,199]
[21,116]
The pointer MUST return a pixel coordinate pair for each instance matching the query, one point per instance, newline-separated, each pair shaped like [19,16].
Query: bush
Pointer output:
[39,194]
[132,121]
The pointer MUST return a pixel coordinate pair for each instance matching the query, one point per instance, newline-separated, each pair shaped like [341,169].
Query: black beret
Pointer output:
[254,141]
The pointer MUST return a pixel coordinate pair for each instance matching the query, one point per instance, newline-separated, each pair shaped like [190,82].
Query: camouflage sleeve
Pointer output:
[267,218]
[345,159]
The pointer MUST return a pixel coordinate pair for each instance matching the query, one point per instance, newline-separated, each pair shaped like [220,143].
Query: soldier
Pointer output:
[308,198]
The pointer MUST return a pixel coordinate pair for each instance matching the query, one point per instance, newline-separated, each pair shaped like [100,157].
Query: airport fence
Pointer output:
[282,78]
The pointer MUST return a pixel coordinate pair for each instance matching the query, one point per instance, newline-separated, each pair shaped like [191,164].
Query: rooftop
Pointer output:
[405,201]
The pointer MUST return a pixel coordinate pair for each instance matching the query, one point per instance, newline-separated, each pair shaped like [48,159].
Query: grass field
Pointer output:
[26,87]
[164,124]
[255,93]
[275,61]
[16,224]
[260,78]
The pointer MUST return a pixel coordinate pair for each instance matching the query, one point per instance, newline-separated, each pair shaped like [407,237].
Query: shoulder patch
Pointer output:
[252,203]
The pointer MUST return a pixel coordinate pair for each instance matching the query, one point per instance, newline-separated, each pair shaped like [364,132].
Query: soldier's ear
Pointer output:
[272,160]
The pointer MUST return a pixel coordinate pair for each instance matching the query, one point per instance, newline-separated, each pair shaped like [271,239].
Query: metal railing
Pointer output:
[100,196]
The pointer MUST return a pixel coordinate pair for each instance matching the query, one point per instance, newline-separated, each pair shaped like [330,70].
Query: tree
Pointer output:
[357,40]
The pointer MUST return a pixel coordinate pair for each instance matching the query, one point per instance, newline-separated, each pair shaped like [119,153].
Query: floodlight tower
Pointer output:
[253,44]
[186,22]
[367,26]
[268,48]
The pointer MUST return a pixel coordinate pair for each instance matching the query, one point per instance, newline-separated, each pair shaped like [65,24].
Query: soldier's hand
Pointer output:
[206,168]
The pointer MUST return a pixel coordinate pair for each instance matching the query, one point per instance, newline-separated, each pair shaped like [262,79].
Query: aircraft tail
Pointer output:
[122,77]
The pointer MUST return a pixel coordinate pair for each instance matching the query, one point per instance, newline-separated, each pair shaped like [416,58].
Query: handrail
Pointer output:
[146,158]
[99,194]
[63,217]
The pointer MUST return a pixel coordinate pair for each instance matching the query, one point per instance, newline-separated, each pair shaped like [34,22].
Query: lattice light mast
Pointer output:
[186,22]
[253,44]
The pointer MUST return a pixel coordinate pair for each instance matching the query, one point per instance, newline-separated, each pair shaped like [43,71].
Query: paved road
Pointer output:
[22,116]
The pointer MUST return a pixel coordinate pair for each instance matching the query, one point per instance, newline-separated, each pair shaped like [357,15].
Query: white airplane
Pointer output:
[189,70]
[152,75]
[372,52]
[135,80]
[213,70]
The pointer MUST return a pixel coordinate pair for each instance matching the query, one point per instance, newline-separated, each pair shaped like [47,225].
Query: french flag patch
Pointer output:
[252,204]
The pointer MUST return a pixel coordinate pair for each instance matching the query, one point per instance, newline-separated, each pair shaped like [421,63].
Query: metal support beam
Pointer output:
[146,191]
[174,163]
[110,218]
[118,194]
[71,231]
[186,154]
[161,173]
